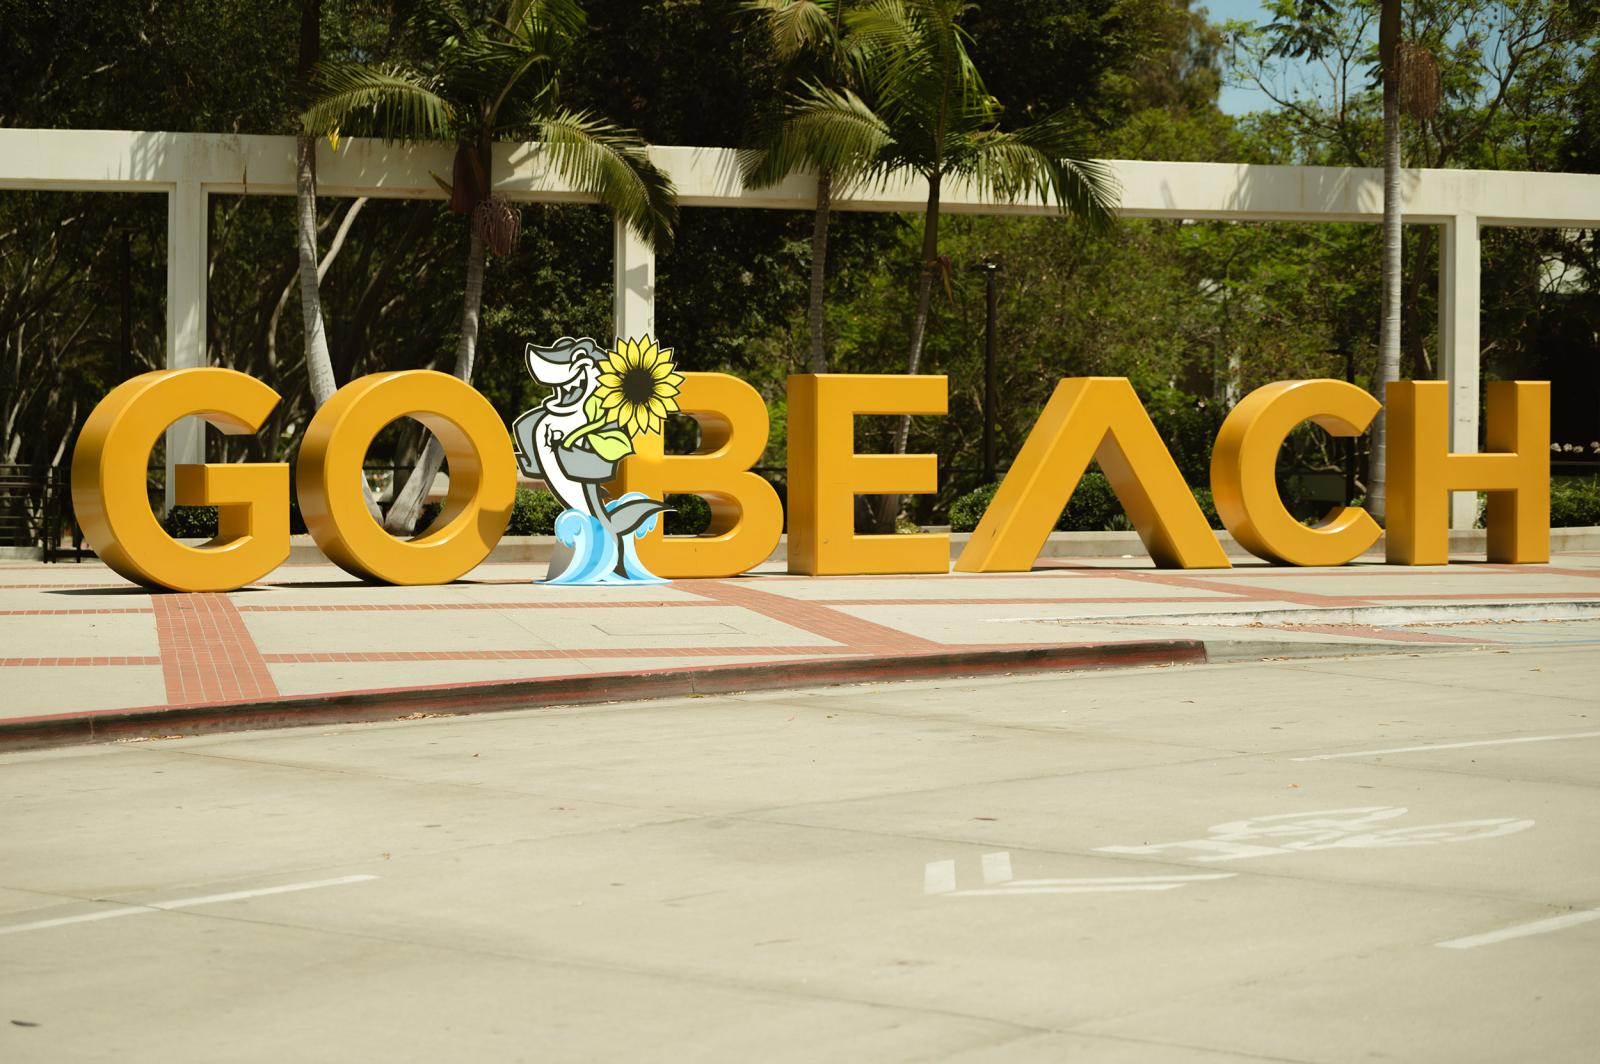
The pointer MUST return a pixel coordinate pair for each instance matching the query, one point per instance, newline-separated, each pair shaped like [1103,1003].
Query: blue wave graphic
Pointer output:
[596,549]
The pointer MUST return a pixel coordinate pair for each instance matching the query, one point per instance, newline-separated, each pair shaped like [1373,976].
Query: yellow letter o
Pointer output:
[483,477]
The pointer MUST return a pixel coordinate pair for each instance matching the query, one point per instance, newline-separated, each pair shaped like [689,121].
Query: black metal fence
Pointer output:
[35,509]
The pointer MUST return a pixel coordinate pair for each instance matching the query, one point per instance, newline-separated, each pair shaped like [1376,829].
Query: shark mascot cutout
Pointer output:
[600,400]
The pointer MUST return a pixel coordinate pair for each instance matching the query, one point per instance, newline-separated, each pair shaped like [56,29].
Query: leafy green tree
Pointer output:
[487,75]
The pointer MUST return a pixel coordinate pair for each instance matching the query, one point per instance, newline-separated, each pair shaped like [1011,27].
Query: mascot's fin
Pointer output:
[625,517]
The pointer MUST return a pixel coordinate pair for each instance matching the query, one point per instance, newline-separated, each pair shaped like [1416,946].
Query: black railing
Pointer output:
[34,508]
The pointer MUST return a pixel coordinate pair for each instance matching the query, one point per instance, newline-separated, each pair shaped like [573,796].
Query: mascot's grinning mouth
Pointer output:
[570,396]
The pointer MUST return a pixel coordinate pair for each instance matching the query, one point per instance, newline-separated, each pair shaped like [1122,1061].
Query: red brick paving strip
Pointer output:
[861,636]
[207,654]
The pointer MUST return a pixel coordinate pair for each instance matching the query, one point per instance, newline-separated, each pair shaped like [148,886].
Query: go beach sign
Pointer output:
[1097,418]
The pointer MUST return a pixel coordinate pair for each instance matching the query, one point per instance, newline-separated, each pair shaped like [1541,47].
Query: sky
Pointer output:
[1234,100]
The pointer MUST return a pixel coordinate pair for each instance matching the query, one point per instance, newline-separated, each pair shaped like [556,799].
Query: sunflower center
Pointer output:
[638,385]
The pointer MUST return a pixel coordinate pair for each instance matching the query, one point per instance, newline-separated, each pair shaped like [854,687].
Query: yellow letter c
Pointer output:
[1244,483]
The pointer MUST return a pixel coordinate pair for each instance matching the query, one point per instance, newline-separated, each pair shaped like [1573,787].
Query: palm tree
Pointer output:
[319,361]
[795,29]
[1393,237]
[490,75]
[932,116]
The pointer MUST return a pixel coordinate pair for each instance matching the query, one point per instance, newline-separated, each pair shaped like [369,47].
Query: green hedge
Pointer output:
[535,513]
[1093,507]
[191,522]
[1574,503]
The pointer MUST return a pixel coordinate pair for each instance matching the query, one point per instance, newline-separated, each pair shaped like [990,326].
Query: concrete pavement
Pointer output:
[1320,860]
[85,655]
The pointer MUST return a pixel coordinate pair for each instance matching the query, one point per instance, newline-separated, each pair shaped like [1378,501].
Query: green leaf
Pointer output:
[591,408]
[611,444]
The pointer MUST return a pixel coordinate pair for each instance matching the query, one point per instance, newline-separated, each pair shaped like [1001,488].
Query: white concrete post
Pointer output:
[634,298]
[186,310]
[1458,346]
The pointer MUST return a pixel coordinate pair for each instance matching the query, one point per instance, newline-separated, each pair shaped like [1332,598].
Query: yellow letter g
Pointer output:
[113,507]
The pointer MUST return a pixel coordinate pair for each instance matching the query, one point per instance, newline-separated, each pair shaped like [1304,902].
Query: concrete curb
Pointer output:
[99,726]
[1364,616]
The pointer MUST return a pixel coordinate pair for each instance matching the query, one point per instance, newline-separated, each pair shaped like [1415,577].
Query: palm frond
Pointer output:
[540,20]
[392,103]
[827,129]
[1049,159]
[795,27]
[918,69]
[613,165]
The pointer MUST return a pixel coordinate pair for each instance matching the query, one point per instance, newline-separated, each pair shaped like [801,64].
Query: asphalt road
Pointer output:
[1378,858]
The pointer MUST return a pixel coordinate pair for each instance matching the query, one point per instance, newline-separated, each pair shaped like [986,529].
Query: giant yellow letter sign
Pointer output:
[825,474]
[746,516]
[108,483]
[1102,418]
[1244,462]
[1423,472]
[483,477]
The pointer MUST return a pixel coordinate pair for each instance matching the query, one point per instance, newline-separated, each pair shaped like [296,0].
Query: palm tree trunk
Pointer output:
[1389,325]
[889,507]
[319,361]
[819,270]
[403,514]
[319,364]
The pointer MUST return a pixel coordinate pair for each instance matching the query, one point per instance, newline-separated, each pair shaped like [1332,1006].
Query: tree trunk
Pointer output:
[319,363]
[889,506]
[819,272]
[408,504]
[1415,343]
[1389,325]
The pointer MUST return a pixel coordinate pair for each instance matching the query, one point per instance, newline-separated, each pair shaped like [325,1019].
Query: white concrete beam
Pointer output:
[708,177]
[186,313]
[1459,265]
[634,275]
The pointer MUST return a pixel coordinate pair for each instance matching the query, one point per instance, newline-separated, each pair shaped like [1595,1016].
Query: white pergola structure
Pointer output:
[189,167]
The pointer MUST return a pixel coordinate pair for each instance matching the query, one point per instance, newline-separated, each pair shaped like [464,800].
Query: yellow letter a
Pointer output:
[1102,418]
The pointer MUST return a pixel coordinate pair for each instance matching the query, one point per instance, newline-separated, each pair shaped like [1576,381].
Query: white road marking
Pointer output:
[1453,746]
[1537,927]
[1123,879]
[1328,829]
[181,903]
[939,877]
[1106,888]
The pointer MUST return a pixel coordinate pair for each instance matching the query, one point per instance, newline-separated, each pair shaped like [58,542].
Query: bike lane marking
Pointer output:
[1537,927]
[1452,746]
[939,878]
[181,903]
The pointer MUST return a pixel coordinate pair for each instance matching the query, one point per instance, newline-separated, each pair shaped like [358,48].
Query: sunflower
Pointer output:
[637,387]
